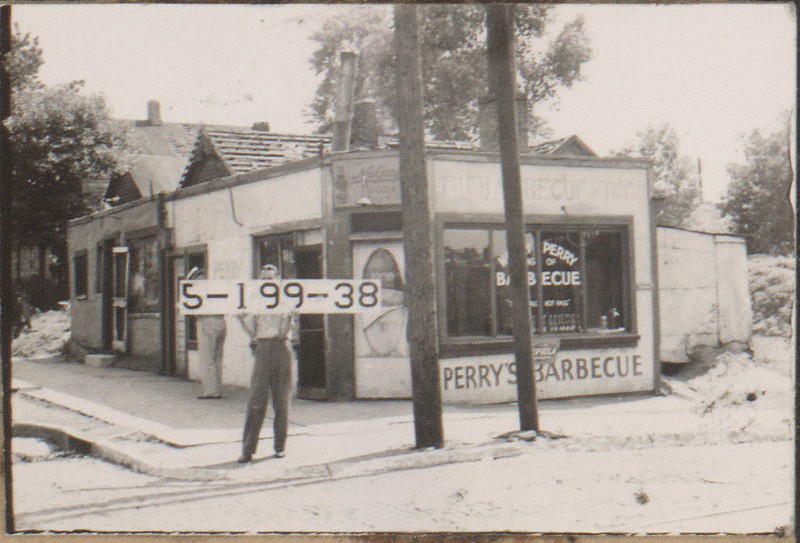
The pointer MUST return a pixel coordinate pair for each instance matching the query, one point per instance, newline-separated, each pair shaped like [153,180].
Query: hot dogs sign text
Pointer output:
[226,297]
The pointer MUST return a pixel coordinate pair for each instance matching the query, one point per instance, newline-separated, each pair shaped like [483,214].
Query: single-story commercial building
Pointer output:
[592,259]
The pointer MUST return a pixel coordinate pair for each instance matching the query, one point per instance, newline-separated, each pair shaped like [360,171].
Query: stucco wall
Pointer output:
[85,234]
[226,220]
[703,292]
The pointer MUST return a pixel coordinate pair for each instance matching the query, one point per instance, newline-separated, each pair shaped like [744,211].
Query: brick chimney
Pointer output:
[365,129]
[343,103]
[154,113]
[487,123]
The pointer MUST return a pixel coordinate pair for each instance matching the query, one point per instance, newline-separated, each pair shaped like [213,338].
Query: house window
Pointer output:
[576,280]
[276,250]
[80,263]
[144,277]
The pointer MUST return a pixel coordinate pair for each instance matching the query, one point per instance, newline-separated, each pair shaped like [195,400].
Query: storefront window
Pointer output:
[468,279]
[144,280]
[576,279]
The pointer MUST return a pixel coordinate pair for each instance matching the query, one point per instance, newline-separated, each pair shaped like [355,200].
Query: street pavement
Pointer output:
[155,424]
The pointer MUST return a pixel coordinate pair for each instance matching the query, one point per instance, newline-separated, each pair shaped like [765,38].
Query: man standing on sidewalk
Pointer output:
[272,372]
[211,340]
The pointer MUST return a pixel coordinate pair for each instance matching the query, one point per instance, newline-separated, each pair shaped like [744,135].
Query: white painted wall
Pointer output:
[211,218]
[703,291]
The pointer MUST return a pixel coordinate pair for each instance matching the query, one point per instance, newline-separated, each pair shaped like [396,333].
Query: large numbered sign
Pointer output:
[226,297]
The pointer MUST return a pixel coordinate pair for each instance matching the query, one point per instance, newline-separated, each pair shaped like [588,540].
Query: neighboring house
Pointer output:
[156,156]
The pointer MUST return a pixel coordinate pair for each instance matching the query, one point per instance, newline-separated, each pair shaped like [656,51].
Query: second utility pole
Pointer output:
[503,86]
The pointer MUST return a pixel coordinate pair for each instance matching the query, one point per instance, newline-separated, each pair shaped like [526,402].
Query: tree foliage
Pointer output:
[758,198]
[676,186]
[453,62]
[59,138]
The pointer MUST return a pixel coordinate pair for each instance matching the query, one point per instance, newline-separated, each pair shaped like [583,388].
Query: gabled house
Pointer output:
[157,154]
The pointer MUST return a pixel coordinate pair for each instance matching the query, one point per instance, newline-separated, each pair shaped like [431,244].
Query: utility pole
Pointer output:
[420,298]
[503,85]
[7,294]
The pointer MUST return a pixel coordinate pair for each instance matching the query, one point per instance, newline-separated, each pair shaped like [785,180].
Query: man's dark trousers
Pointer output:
[272,372]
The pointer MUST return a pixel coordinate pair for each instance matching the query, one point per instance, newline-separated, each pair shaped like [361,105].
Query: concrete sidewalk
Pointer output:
[156,425]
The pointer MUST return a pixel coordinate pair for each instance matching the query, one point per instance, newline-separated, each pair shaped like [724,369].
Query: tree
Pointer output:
[453,62]
[758,198]
[676,186]
[59,138]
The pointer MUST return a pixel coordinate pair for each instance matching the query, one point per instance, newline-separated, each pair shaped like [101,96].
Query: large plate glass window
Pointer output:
[576,278]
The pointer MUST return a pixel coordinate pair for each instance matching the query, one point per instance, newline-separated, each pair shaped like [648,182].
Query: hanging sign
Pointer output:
[226,297]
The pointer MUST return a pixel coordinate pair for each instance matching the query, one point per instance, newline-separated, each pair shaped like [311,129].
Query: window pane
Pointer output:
[604,281]
[81,275]
[562,281]
[503,297]
[278,251]
[468,281]
[144,280]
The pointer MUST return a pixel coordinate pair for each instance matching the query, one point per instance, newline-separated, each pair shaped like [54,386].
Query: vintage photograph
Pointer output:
[356,268]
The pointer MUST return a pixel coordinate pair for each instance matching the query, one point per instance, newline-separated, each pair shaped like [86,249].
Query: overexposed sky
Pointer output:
[713,71]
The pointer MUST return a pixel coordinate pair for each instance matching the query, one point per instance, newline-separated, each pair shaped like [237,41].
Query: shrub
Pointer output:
[772,280]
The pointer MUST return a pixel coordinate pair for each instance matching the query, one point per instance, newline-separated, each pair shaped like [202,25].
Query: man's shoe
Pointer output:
[245,458]
[279,454]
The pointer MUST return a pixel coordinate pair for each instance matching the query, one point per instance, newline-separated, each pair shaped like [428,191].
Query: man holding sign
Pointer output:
[272,372]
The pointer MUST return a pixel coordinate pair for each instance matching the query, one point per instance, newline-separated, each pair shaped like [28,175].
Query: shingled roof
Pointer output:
[221,151]
[569,146]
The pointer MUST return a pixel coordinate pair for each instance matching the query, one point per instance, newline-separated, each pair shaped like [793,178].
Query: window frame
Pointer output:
[84,279]
[134,243]
[279,236]
[454,346]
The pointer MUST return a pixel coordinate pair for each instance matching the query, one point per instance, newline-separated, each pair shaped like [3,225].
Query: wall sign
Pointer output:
[225,297]
[373,180]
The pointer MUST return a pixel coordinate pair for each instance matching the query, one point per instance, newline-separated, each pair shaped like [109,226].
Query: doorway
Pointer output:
[311,363]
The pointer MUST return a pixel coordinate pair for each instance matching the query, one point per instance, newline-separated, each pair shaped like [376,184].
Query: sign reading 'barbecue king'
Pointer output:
[225,297]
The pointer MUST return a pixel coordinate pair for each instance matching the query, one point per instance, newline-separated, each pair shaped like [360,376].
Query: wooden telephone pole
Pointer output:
[7,294]
[503,85]
[420,297]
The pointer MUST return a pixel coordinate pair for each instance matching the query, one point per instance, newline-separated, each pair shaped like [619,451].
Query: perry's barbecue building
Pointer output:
[250,197]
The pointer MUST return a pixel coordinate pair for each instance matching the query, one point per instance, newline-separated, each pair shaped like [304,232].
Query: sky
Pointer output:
[714,71]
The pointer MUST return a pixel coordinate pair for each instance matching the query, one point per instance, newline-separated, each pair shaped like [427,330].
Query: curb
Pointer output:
[82,444]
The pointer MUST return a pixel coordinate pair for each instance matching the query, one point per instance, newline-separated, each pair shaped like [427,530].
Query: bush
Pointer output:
[772,280]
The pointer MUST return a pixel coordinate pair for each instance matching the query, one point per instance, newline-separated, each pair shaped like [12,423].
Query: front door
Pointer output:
[311,380]
[120,300]
[107,293]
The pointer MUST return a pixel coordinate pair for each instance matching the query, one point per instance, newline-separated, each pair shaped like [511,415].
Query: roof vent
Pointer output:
[263,126]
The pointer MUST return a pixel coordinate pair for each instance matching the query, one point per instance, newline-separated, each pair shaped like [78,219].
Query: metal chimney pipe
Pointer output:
[343,106]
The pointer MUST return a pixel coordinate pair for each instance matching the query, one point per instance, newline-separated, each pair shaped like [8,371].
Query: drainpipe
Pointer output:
[343,106]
